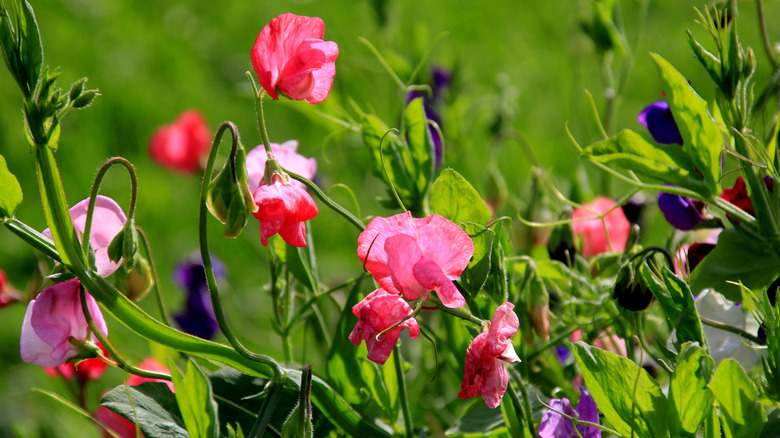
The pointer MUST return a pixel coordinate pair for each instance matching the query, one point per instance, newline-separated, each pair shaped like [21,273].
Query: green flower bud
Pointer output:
[125,244]
[76,89]
[85,99]
[561,243]
[630,290]
[228,197]
[139,280]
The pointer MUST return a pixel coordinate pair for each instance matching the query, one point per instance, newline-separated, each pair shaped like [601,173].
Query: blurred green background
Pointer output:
[525,62]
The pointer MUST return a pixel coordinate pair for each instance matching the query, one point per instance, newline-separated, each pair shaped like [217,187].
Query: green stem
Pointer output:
[732,329]
[32,237]
[260,116]
[156,285]
[526,403]
[455,312]
[329,202]
[402,393]
[764,36]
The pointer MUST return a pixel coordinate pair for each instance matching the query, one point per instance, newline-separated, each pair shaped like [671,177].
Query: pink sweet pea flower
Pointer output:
[485,374]
[108,219]
[182,145]
[286,155]
[150,364]
[85,371]
[378,311]
[119,425]
[413,256]
[291,58]
[8,294]
[54,321]
[283,208]
[600,236]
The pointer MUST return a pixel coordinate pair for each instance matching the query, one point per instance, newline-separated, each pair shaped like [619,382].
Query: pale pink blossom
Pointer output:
[283,208]
[183,145]
[413,256]
[485,372]
[600,236]
[378,311]
[287,157]
[291,58]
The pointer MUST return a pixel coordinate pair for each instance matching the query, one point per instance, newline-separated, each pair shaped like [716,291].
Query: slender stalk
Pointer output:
[32,237]
[529,421]
[156,285]
[731,329]
[260,115]
[455,312]
[764,35]
[329,202]
[402,393]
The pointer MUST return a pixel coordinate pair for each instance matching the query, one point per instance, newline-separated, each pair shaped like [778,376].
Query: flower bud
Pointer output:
[630,290]
[538,305]
[76,89]
[85,99]
[229,198]
[560,244]
[125,244]
[140,280]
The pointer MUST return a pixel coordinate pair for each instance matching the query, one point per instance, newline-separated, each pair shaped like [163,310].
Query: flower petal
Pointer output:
[431,277]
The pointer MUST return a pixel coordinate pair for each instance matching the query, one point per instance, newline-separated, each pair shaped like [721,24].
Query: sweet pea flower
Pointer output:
[658,119]
[412,256]
[485,374]
[54,325]
[609,234]
[198,317]
[108,219]
[8,294]
[681,212]
[150,364]
[286,155]
[85,371]
[291,58]
[378,311]
[555,425]
[183,145]
[283,208]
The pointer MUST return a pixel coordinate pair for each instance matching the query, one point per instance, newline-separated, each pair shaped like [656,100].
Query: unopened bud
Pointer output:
[85,99]
[630,290]
[560,244]
[228,197]
[139,280]
[125,244]
[77,88]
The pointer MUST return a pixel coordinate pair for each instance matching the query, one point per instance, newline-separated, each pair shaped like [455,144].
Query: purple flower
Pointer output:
[658,119]
[198,317]
[440,84]
[681,212]
[555,425]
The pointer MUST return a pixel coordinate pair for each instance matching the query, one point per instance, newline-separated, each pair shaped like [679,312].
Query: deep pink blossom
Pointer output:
[485,374]
[182,145]
[283,208]
[291,58]
[413,256]
[600,236]
[119,425]
[54,321]
[378,311]
[286,155]
[108,219]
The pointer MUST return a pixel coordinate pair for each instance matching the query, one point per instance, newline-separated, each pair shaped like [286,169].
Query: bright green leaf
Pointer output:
[420,143]
[153,405]
[742,416]
[689,396]
[196,400]
[10,191]
[454,198]
[32,49]
[476,273]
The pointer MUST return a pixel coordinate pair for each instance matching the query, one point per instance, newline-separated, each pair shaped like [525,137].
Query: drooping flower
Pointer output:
[54,322]
[658,119]
[600,236]
[555,425]
[291,58]
[485,372]
[85,371]
[681,212]
[183,145]
[108,219]
[8,294]
[286,155]
[283,208]
[378,311]
[412,256]
[197,317]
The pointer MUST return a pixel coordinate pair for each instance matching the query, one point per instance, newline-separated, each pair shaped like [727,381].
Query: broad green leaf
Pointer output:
[478,421]
[196,400]
[382,382]
[702,140]
[153,406]
[476,273]
[292,257]
[742,416]
[624,392]
[454,198]
[420,143]
[736,258]
[10,191]
[689,396]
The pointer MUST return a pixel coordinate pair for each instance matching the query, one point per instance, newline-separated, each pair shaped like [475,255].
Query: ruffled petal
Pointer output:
[431,277]
[402,254]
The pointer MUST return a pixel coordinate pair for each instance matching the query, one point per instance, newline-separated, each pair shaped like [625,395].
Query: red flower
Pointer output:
[86,370]
[378,311]
[119,425]
[609,234]
[283,208]
[182,145]
[291,58]
[485,374]
[8,294]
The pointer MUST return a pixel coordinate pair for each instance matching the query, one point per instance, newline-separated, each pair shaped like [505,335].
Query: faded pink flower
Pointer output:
[182,145]
[108,219]
[54,321]
[600,236]
[286,155]
[291,58]
[485,374]
[378,311]
[283,208]
[413,256]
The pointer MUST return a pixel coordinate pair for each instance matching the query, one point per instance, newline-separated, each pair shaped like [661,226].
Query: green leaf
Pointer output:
[702,140]
[382,383]
[298,424]
[476,273]
[478,421]
[624,392]
[10,191]
[32,49]
[742,416]
[420,143]
[688,393]
[771,429]
[454,198]
[196,400]
[736,258]
[291,256]
[153,406]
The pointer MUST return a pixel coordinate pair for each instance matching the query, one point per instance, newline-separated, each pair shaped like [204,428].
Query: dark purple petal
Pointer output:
[554,425]
[562,352]
[442,78]
[197,318]
[587,411]
[203,326]
[658,119]
[681,212]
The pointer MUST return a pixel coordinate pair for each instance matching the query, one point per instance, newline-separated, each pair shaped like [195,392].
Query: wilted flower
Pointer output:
[291,58]
[198,317]
[378,311]
[609,234]
[182,145]
[555,425]
[85,371]
[283,208]
[681,212]
[485,374]
[286,155]
[658,119]
[412,256]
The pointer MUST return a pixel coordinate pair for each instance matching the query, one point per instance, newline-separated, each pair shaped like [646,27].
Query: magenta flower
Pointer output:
[413,256]
[485,374]
[555,425]
[600,236]
[283,208]
[183,145]
[291,58]
[378,311]
[54,325]
[108,219]
[286,155]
